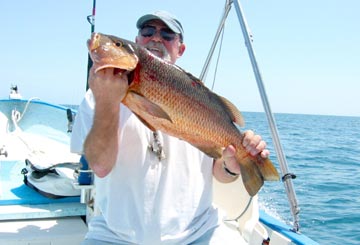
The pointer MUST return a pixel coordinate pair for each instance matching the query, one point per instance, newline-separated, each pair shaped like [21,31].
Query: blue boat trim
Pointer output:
[39,102]
[285,230]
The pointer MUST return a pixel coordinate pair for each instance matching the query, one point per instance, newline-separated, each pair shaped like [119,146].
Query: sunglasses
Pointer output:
[165,33]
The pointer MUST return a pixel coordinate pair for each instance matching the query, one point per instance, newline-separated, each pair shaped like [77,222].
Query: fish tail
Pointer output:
[254,171]
[267,169]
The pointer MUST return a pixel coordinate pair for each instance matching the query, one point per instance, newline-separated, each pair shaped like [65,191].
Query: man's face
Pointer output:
[166,46]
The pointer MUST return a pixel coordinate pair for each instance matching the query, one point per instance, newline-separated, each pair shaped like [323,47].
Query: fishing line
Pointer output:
[218,58]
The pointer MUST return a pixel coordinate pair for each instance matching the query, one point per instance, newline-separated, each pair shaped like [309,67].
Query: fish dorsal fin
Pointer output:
[147,106]
[191,76]
[234,112]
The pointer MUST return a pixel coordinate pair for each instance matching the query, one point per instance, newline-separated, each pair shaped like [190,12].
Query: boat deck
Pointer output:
[26,216]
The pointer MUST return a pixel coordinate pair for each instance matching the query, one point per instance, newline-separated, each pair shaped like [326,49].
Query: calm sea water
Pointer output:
[324,153]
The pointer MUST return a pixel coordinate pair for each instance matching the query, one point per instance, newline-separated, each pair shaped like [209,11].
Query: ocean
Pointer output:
[324,153]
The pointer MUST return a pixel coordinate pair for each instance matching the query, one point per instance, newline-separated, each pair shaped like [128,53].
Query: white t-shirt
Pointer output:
[145,200]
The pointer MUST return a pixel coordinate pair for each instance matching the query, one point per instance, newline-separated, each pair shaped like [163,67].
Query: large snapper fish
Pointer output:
[167,98]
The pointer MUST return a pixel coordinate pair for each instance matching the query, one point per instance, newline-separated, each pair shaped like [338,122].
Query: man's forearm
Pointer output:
[101,144]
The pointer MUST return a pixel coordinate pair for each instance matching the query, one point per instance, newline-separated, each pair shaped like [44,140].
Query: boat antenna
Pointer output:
[91,20]
[287,177]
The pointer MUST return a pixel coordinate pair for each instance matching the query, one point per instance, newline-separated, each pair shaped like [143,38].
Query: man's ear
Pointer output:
[182,48]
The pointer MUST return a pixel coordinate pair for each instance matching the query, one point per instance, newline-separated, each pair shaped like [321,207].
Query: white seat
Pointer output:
[234,200]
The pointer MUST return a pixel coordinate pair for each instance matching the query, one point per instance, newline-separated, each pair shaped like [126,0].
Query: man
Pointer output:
[144,199]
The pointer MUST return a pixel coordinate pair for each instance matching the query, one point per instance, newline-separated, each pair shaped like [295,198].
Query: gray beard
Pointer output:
[153,46]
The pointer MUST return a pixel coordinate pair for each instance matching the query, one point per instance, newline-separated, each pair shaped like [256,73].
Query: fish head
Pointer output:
[111,52]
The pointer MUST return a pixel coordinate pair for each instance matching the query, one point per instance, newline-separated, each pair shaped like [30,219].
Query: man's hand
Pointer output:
[252,142]
[108,86]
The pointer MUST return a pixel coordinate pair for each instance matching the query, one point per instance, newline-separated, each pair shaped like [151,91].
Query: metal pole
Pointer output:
[275,136]
[91,20]
[217,35]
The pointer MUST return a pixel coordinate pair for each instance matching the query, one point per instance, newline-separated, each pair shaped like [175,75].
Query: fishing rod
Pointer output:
[286,176]
[91,20]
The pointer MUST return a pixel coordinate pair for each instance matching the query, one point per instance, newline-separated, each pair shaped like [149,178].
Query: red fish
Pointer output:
[167,98]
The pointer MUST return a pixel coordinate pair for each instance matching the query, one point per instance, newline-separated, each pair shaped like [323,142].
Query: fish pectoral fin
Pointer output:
[143,104]
[146,123]
[234,112]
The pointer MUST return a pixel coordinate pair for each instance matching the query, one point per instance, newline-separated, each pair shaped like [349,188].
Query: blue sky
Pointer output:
[308,51]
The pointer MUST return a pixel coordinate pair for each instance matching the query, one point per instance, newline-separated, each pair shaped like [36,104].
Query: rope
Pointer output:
[18,115]
[243,212]
[218,58]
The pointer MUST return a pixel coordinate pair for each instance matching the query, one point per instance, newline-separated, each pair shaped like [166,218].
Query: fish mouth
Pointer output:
[106,54]
[94,42]
[97,66]
[117,70]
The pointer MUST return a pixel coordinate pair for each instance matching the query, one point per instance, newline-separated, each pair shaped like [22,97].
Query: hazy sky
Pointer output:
[308,51]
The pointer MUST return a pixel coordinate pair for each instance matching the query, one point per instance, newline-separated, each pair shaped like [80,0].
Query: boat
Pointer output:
[35,132]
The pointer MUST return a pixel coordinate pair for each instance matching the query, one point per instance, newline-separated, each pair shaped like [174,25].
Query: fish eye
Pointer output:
[119,44]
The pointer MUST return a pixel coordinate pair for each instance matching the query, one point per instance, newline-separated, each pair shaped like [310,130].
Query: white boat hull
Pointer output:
[25,216]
